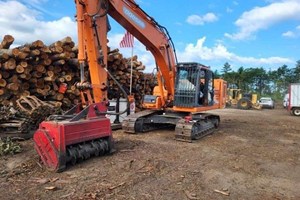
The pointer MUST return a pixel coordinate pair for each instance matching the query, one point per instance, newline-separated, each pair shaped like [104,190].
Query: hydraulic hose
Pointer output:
[123,91]
[102,4]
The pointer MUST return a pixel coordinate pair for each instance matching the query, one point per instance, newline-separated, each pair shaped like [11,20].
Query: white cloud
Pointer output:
[200,20]
[38,5]
[27,26]
[292,34]
[289,34]
[263,17]
[199,52]
[23,23]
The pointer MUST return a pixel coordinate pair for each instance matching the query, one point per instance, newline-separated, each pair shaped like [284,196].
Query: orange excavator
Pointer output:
[183,94]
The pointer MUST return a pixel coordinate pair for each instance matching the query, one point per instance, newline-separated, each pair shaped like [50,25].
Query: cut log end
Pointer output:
[6,42]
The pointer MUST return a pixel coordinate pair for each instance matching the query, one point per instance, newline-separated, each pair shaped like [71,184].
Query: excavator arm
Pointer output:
[92,44]
[92,33]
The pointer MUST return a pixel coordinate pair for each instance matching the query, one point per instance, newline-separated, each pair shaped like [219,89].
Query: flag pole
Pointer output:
[131,68]
[128,41]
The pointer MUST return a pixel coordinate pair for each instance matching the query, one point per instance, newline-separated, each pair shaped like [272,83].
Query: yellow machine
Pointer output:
[242,101]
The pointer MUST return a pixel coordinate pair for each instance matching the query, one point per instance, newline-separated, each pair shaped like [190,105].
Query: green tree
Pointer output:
[226,68]
[229,75]
[281,78]
[297,72]
[240,78]
[272,83]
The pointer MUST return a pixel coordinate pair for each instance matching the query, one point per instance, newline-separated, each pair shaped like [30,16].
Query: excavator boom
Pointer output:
[155,38]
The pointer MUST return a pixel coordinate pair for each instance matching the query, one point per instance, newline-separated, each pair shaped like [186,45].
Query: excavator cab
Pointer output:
[194,86]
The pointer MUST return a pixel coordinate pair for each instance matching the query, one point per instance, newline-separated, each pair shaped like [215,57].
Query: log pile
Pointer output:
[5,112]
[13,122]
[36,110]
[37,69]
[22,119]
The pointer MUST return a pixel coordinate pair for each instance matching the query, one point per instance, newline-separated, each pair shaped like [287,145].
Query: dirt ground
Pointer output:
[253,155]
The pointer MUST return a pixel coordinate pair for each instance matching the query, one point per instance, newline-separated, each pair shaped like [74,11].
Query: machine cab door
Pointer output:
[193,86]
[206,87]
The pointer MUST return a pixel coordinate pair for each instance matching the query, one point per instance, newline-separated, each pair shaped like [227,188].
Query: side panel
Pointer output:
[220,92]
[294,93]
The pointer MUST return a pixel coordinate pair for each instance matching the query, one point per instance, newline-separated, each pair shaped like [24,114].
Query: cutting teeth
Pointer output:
[83,151]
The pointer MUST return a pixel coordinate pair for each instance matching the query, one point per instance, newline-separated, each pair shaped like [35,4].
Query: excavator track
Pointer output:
[134,123]
[197,127]
[187,129]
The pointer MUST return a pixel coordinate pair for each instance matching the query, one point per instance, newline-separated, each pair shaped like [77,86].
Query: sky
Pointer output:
[255,33]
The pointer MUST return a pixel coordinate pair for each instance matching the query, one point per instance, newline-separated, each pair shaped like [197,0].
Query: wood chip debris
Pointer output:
[53,179]
[42,181]
[116,186]
[222,192]
[190,195]
[51,188]
[126,150]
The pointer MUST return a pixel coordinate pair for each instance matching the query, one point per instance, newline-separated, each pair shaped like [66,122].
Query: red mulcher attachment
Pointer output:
[77,135]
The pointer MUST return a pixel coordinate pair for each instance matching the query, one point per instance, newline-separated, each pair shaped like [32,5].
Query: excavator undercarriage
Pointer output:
[187,127]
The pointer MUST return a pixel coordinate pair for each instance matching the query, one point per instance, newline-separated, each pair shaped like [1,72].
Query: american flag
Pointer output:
[127,40]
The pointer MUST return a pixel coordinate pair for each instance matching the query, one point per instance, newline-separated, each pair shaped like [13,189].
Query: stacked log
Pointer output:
[22,119]
[12,121]
[5,112]
[39,70]
[36,110]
